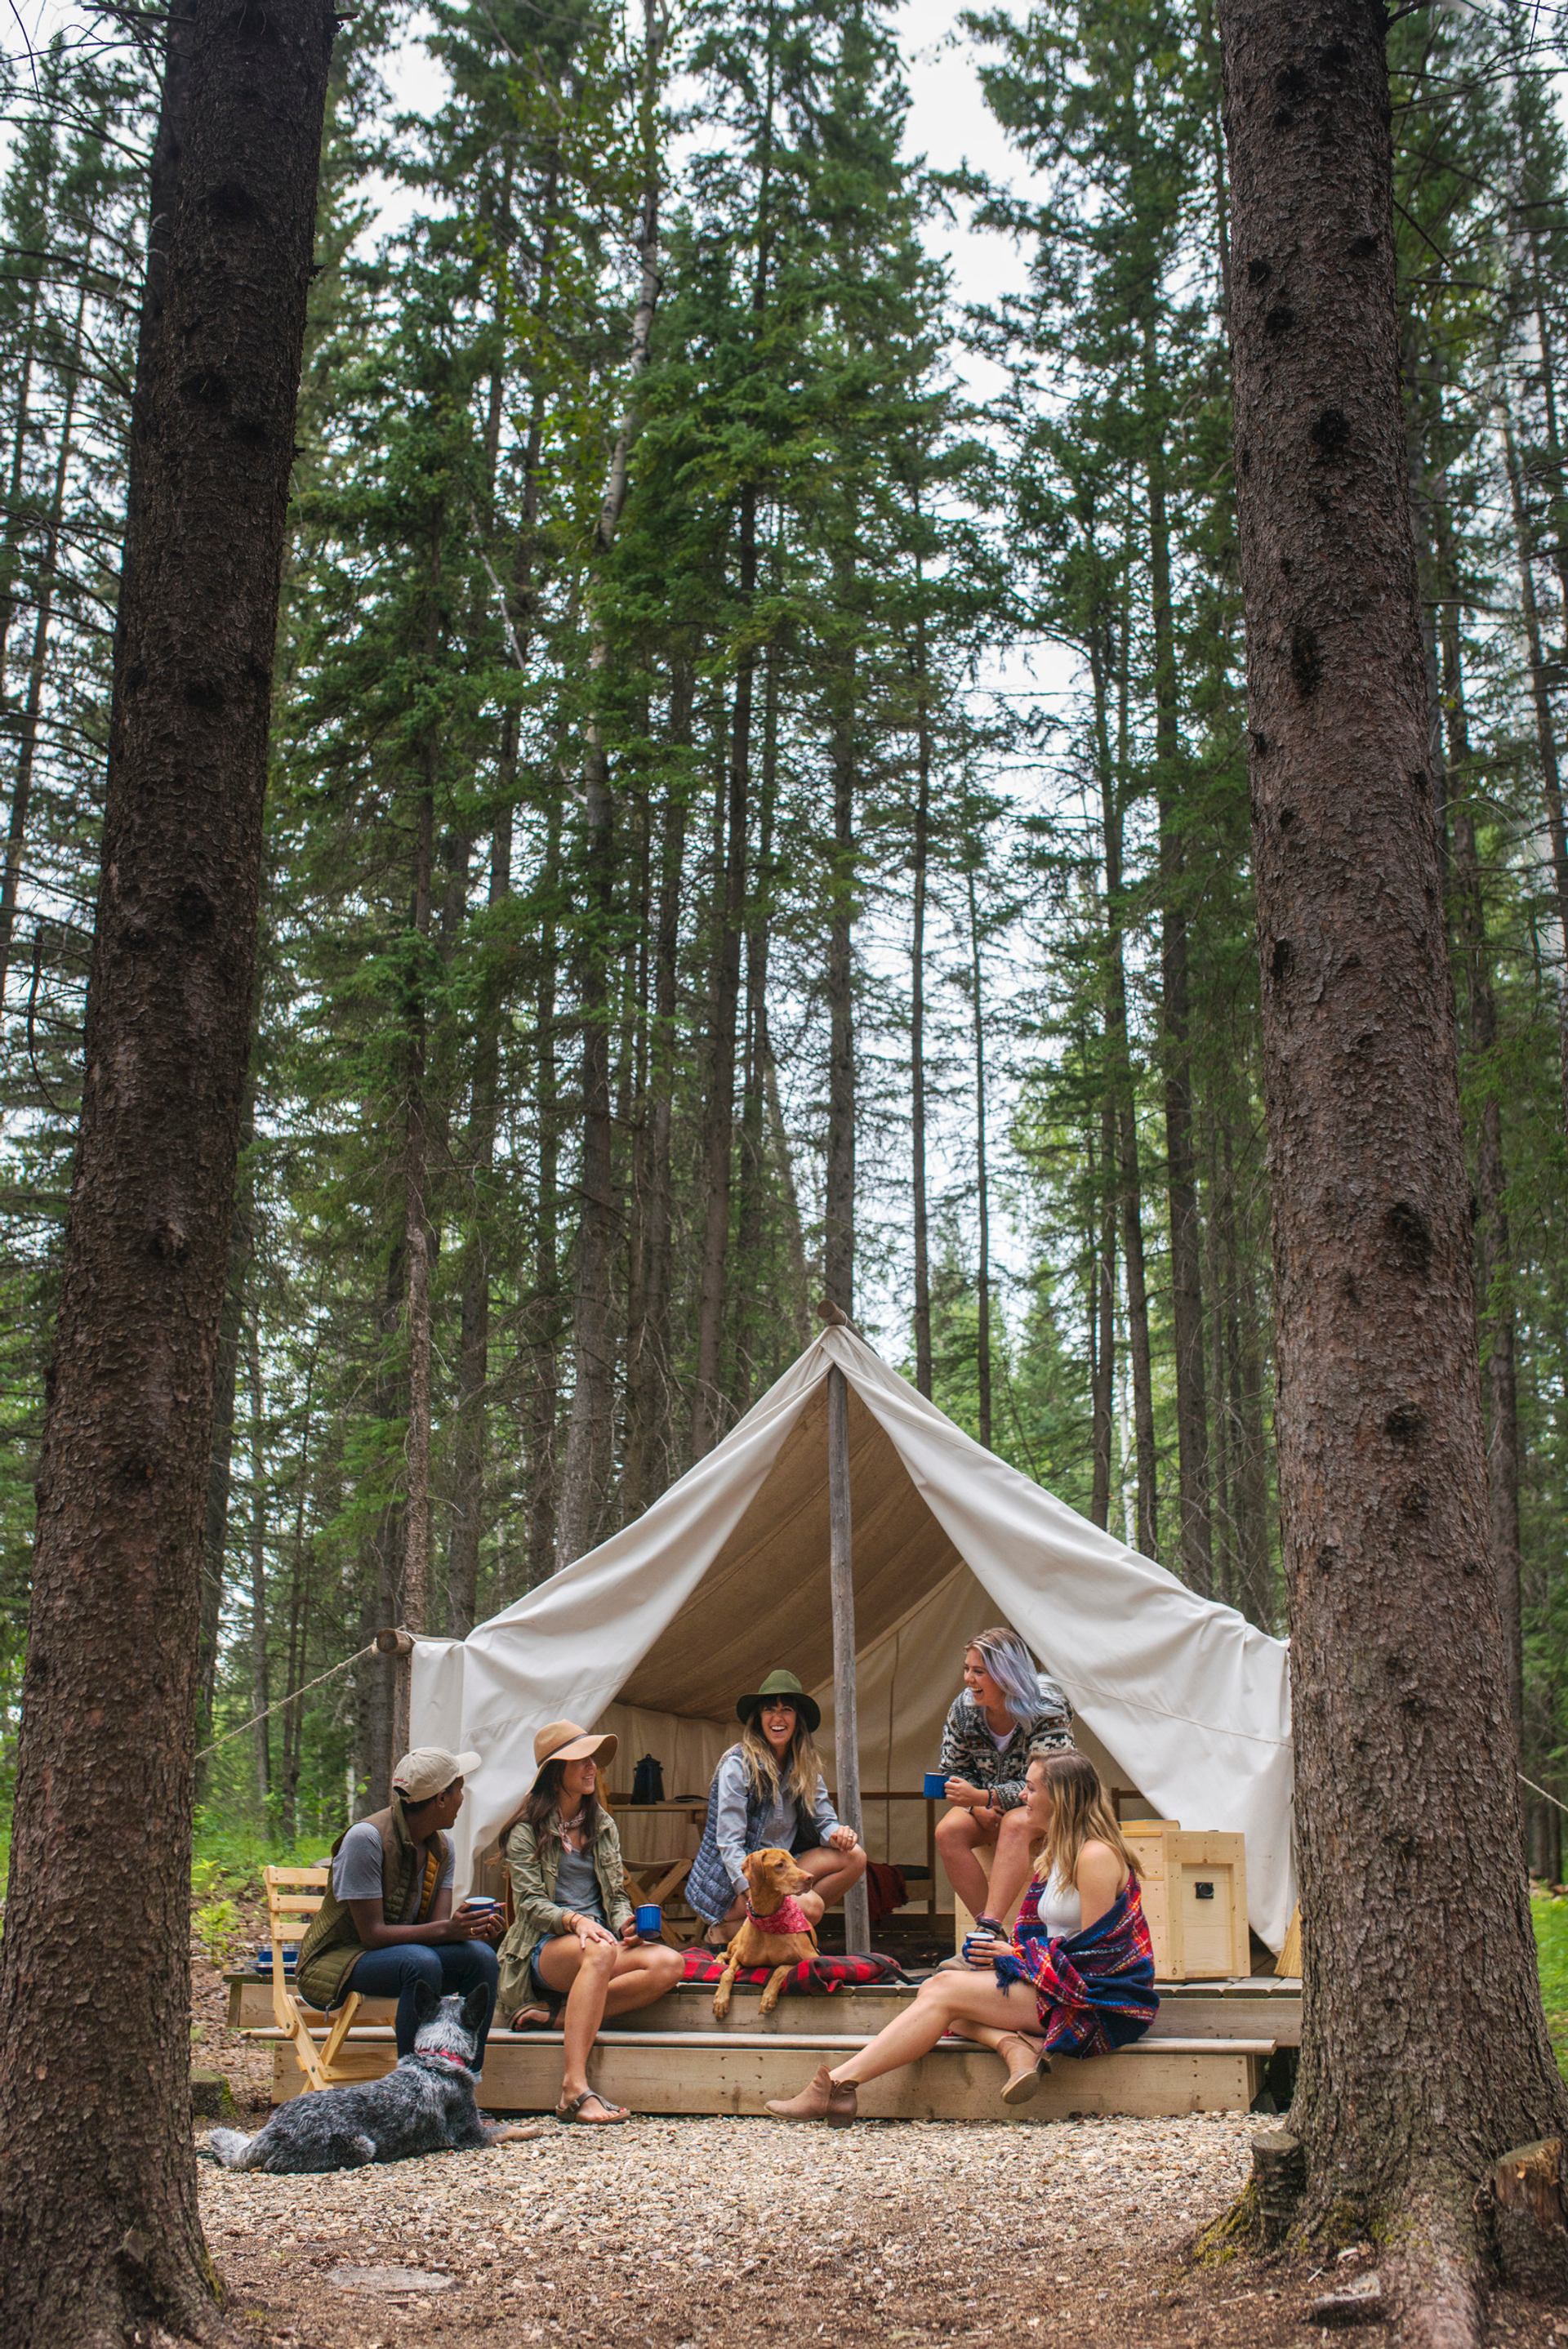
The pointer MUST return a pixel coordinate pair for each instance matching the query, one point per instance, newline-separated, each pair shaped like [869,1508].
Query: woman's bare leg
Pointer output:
[1012,1867]
[643,1974]
[944,2000]
[586,1974]
[957,1835]
[832,1872]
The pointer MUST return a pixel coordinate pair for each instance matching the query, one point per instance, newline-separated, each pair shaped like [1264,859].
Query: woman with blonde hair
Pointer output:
[769,1793]
[1076,1977]
[572,1951]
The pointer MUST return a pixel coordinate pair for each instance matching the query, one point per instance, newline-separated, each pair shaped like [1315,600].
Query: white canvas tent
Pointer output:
[655,1633]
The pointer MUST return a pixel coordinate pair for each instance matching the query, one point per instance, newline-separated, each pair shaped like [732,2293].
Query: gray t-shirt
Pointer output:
[577,1886]
[357,1872]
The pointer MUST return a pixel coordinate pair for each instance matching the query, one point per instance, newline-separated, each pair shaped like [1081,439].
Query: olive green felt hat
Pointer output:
[785,1685]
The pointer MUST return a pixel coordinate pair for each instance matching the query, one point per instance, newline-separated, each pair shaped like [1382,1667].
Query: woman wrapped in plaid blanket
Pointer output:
[1076,1978]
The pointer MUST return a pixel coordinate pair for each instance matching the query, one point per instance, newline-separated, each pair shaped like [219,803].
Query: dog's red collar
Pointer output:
[439,2055]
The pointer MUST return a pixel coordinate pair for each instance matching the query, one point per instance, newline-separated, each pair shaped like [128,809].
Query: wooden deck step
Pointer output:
[737,2072]
[1251,2008]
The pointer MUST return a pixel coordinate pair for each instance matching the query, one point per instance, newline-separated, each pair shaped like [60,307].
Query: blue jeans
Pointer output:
[396,1972]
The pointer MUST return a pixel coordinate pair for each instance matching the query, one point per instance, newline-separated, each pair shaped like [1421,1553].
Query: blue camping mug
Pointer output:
[936,1784]
[650,1921]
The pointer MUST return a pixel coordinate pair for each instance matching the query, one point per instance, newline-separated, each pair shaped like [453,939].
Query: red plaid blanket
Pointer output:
[819,1976]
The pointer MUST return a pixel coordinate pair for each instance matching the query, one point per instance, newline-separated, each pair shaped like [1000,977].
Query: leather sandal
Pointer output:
[571,2110]
[549,2009]
[822,2099]
[1024,2079]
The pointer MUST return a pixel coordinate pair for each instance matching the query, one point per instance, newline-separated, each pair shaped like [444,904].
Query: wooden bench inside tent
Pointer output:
[293,1895]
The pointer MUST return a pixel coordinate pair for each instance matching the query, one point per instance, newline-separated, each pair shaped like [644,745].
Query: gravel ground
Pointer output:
[699,2232]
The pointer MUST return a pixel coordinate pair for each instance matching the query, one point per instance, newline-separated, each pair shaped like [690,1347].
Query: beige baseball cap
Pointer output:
[429,1770]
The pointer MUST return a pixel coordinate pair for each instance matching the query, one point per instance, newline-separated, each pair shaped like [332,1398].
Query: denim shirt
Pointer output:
[740,1820]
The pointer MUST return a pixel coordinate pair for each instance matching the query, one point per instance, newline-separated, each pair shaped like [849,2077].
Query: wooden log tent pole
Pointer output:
[840,1570]
[399,1647]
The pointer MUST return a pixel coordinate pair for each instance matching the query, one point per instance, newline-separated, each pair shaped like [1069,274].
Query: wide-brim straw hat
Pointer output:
[562,1741]
[785,1686]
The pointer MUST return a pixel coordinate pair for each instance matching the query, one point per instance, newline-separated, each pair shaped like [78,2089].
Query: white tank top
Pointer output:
[1060,1908]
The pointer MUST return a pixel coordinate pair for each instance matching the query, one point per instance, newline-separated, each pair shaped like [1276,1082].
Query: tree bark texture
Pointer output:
[99,2238]
[1407,1811]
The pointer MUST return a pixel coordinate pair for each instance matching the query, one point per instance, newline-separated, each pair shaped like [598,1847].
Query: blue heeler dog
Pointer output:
[426,2105]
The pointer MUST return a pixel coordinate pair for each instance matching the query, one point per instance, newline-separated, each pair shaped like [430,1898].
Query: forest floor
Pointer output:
[673,2232]
[702,2232]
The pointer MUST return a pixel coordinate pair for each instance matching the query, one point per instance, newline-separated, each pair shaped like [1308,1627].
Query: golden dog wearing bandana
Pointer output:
[776,1929]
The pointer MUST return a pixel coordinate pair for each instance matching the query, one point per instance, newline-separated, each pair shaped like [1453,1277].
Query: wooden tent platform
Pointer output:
[1205,2054]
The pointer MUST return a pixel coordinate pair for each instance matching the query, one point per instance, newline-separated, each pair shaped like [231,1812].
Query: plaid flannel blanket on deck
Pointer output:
[821,1976]
[1094,1990]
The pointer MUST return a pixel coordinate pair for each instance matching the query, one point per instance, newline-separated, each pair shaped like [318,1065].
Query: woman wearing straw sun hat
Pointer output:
[572,1949]
[769,1791]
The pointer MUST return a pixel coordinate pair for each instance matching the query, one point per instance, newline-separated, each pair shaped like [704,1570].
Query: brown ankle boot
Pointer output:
[822,2099]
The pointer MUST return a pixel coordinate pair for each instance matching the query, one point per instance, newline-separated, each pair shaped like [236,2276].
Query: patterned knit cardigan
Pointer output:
[1094,1989]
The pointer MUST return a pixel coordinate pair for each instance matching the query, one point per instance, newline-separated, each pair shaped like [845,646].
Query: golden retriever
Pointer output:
[772,1880]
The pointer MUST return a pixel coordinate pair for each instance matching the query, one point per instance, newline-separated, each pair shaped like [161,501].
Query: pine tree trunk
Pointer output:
[1102,1315]
[982,1180]
[37,660]
[260,1689]
[922,1234]
[1494,1254]
[1129,1180]
[1256,1597]
[1181,1175]
[1545,732]
[414,1610]
[648,1373]
[718,1122]
[219,1468]
[585,1470]
[473,1324]
[754,1314]
[546,1309]
[839,1205]
[100,2237]
[1406,1802]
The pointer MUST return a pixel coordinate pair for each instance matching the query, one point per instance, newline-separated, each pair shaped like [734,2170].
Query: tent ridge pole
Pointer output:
[842,1582]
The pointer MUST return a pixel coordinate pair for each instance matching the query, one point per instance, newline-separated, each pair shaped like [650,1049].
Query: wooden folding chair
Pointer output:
[293,1895]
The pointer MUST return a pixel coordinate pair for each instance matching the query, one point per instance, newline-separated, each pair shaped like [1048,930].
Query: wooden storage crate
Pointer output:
[1195,1899]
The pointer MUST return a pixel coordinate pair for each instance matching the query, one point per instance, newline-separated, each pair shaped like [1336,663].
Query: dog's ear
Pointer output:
[754,1866]
[426,2002]
[476,2006]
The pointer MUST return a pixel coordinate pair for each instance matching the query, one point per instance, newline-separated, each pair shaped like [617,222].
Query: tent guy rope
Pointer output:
[256,1718]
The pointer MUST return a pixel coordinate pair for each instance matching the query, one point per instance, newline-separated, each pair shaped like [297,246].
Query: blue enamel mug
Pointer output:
[936,1784]
[650,1921]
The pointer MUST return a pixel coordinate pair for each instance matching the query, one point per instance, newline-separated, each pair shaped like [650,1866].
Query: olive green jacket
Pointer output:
[331,1943]
[534,1862]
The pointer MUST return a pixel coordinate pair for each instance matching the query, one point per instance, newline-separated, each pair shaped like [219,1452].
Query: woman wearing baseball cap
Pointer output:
[769,1791]
[572,1951]
[387,1924]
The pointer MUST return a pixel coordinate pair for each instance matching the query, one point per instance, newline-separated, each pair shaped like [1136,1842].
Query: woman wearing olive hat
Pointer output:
[768,1791]
[574,1944]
